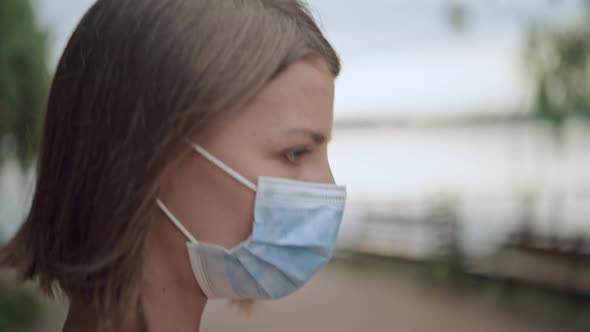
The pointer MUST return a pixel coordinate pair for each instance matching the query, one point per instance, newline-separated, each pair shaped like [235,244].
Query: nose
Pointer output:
[325,171]
[330,176]
[320,172]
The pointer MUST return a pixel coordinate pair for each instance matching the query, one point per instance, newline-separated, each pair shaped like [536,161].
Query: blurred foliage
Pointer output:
[24,79]
[458,16]
[558,61]
[19,308]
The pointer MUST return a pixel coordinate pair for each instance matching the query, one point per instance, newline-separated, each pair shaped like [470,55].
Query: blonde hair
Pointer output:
[136,78]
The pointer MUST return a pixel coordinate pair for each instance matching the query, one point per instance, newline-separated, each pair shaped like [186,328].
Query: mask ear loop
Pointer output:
[175,221]
[221,165]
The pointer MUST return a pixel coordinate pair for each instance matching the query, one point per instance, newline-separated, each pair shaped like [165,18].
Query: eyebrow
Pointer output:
[316,136]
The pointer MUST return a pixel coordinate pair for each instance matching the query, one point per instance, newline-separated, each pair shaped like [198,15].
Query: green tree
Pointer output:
[558,61]
[24,80]
[19,308]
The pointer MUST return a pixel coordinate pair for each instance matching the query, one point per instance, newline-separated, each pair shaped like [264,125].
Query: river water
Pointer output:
[488,168]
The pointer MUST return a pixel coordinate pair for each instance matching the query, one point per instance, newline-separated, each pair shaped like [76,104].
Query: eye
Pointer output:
[294,155]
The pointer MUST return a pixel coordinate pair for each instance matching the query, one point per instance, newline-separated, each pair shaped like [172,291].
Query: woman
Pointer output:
[183,158]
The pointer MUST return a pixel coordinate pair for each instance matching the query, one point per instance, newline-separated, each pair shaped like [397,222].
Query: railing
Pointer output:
[422,231]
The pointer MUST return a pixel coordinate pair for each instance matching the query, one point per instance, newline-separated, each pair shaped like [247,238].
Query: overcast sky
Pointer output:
[402,57]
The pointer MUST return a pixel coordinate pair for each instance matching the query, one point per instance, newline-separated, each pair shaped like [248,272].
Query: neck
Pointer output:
[166,312]
[168,308]
[163,308]
[171,299]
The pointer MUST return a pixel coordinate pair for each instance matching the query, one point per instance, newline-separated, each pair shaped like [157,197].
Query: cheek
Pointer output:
[214,207]
[244,220]
[226,218]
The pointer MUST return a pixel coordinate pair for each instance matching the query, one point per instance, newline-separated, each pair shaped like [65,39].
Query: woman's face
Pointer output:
[282,132]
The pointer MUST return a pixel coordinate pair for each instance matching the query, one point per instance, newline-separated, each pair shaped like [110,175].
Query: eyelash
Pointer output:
[293,156]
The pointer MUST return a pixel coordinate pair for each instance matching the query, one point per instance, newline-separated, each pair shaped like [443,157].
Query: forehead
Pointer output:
[303,95]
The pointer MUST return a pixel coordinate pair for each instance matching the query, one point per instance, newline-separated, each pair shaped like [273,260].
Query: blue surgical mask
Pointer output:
[294,234]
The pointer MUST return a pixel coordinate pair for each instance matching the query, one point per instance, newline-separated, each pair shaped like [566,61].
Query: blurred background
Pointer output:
[462,130]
